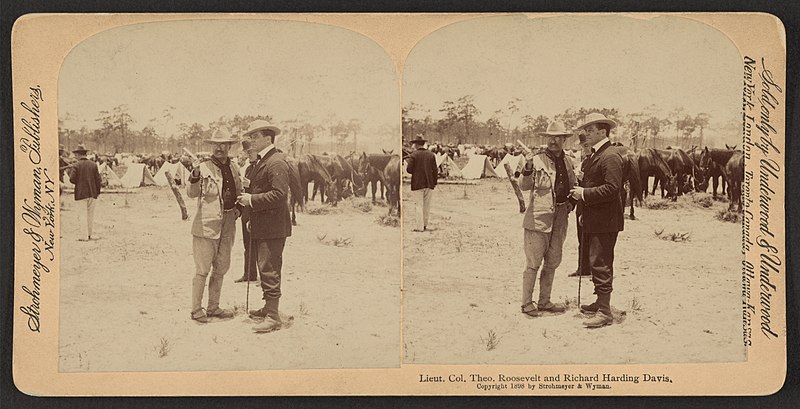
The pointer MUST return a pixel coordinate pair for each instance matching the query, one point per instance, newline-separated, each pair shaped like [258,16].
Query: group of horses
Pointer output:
[678,172]
[336,177]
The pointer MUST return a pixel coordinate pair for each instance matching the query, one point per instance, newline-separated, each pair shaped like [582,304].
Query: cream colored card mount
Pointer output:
[110,289]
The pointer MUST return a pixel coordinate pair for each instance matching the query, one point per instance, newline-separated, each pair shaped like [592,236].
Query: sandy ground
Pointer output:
[674,301]
[125,298]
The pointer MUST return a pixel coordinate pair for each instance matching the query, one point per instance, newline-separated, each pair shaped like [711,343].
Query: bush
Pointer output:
[388,220]
[728,216]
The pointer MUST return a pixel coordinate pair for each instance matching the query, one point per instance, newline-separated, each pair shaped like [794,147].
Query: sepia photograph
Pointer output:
[214,213]
[572,192]
[400,204]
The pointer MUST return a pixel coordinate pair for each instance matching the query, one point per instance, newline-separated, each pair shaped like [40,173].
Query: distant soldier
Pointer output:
[86,178]
[424,176]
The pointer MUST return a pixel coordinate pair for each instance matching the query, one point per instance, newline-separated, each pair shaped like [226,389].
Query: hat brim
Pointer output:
[556,133]
[609,122]
[80,151]
[269,127]
[419,141]
[220,140]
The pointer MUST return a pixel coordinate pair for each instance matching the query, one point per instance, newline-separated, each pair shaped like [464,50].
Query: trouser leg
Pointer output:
[270,262]
[90,203]
[222,259]
[534,244]
[601,263]
[250,260]
[419,209]
[427,198]
[553,252]
[204,250]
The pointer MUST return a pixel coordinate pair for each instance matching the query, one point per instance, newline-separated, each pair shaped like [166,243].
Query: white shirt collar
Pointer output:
[266,150]
[597,146]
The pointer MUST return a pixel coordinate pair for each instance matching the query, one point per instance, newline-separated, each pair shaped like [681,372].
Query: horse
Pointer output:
[371,167]
[311,169]
[651,163]
[681,166]
[699,176]
[391,174]
[631,175]
[349,181]
[713,162]
[295,188]
[734,172]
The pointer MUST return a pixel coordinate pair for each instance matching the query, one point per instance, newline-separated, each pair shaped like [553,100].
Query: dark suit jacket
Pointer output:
[86,178]
[423,169]
[269,187]
[601,207]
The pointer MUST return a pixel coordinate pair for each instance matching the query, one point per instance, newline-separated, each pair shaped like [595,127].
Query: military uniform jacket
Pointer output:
[601,207]
[269,186]
[541,182]
[208,191]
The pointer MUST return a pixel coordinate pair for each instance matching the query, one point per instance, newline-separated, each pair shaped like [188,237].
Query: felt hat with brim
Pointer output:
[221,135]
[556,128]
[419,140]
[597,118]
[260,124]
[80,149]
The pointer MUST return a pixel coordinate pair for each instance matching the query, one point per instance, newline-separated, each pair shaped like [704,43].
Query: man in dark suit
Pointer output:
[424,176]
[86,178]
[601,214]
[266,201]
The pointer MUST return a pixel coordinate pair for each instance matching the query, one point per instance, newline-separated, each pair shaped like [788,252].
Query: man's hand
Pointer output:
[245,199]
[576,193]
[529,155]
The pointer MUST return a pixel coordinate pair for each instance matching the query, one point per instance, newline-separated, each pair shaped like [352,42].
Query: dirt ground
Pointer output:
[674,301]
[125,298]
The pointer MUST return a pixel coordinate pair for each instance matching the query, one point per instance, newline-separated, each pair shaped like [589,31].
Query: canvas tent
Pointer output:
[137,176]
[109,176]
[452,169]
[177,170]
[478,167]
[516,163]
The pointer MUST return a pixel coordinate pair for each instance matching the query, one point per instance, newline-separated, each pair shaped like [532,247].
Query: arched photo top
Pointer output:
[551,63]
[196,71]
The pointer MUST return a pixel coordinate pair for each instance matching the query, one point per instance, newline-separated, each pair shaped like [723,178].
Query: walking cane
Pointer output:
[247,267]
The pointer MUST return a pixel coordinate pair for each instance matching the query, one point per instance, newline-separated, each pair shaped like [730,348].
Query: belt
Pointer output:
[228,210]
[562,203]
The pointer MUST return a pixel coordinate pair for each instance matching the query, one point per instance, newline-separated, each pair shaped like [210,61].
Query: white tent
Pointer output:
[108,175]
[452,169]
[440,158]
[478,167]
[177,170]
[137,176]
[516,163]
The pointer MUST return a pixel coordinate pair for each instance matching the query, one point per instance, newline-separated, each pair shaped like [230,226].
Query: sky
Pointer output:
[207,69]
[576,61]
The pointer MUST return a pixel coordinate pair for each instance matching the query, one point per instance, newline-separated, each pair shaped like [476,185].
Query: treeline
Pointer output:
[457,122]
[116,132]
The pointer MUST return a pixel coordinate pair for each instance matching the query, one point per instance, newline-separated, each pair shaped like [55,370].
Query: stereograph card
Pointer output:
[376,294]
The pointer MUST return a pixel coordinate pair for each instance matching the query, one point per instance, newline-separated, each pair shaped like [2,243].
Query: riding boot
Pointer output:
[603,316]
[272,321]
